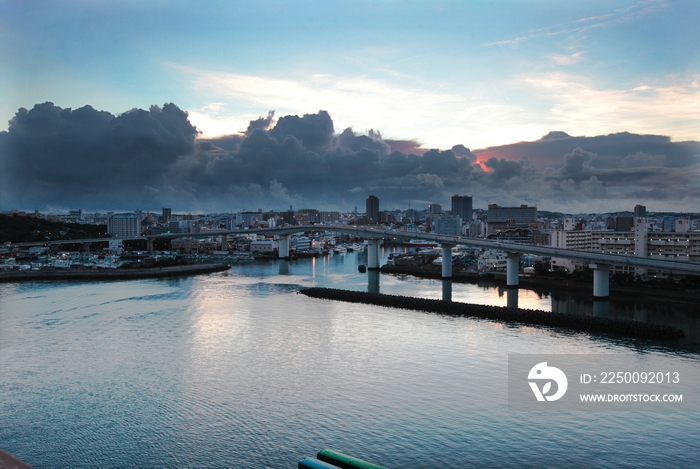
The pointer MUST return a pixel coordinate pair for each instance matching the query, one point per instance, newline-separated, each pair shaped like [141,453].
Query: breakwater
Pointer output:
[500,313]
[111,274]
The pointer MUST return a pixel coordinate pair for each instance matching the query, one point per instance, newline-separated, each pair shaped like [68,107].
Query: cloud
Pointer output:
[583,25]
[54,157]
[560,59]
[576,102]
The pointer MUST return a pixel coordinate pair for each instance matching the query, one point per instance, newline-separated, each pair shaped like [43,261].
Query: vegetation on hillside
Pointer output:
[23,229]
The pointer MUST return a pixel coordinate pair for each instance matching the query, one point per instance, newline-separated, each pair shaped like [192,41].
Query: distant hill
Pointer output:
[22,229]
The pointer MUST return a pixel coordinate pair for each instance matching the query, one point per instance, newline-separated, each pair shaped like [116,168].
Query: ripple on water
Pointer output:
[238,371]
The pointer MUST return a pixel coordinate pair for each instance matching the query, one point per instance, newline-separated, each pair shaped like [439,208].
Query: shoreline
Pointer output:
[687,297]
[574,322]
[111,274]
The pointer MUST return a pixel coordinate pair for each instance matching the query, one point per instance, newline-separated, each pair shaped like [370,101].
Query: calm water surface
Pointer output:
[237,370]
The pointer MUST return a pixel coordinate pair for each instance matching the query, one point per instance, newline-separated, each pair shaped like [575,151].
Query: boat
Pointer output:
[421,243]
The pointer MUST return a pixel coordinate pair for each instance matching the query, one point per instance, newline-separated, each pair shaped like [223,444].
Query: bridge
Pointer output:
[374,236]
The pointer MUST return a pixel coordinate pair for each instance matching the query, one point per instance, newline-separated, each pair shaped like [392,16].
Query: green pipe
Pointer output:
[344,461]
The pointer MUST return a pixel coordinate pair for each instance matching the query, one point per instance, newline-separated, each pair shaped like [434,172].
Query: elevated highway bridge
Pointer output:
[374,236]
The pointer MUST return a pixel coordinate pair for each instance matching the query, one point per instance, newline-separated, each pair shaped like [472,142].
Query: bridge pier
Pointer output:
[373,253]
[446,260]
[224,242]
[601,281]
[512,268]
[150,244]
[86,246]
[283,247]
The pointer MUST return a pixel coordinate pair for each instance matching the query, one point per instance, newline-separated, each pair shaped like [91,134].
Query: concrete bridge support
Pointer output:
[513,267]
[224,243]
[86,247]
[373,253]
[150,244]
[601,281]
[283,247]
[446,260]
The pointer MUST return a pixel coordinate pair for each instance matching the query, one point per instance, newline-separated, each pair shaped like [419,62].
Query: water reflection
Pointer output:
[283,267]
[601,308]
[447,290]
[373,281]
[512,297]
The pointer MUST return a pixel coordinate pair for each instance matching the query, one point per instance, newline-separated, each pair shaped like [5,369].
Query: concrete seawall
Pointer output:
[111,274]
[498,313]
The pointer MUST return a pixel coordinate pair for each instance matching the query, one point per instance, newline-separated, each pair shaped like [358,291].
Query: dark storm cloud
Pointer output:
[315,130]
[464,152]
[261,123]
[55,154]
[53,157]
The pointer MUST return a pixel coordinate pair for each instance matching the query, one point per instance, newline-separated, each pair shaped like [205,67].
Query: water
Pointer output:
[237,370]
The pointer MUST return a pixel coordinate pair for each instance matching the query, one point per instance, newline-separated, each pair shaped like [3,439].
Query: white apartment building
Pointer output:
[124,225]
[680,246]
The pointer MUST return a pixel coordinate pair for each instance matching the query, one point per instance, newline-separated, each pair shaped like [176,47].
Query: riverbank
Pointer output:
[111,274]
[500,313]
[546,284]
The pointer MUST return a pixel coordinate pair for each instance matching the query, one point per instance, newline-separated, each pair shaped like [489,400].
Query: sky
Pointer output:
[426,75]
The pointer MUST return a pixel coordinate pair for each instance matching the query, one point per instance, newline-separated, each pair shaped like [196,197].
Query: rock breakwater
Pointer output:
[499,313]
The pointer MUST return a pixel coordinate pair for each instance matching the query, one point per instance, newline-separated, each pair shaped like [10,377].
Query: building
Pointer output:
[520,215]
[682,246]
[462,207]
[329,217]
[448,225]
[640,211]
[167,215]
[509,218]
[682,225]
[624,223]
[372,209]
[124,225]
[312,214]
[434,209]
[248,219]
[266,245]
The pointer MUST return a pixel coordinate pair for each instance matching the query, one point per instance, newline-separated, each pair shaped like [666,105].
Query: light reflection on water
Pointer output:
[236,370]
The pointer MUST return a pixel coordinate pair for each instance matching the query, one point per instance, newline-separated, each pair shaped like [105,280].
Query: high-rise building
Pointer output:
[372,209]
[507,218]
[167,215]
[462,207]
[624,223]
[518,215]
[124,225]
[435,209]
[640,211]
[313,214]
